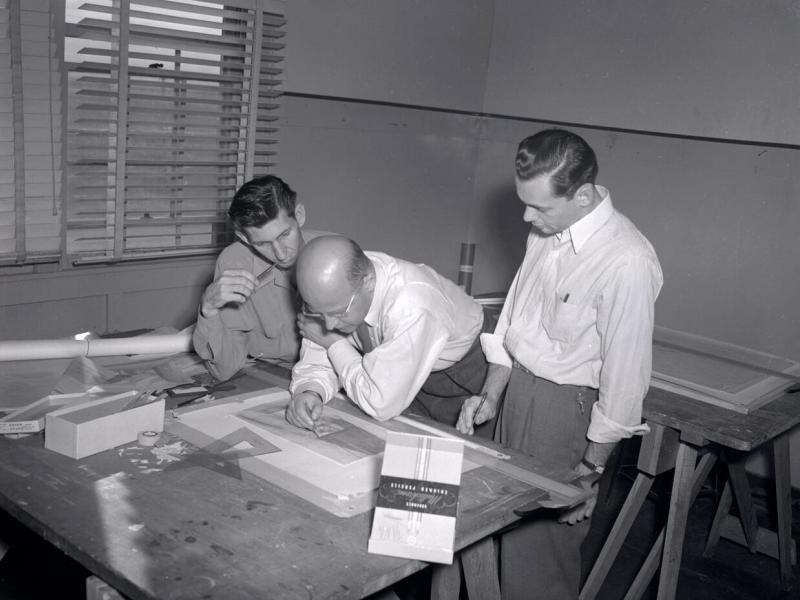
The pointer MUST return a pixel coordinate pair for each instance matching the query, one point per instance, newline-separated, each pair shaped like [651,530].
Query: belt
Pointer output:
[519,366]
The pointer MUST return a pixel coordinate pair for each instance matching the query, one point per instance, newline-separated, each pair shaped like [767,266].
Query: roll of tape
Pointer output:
[148,438]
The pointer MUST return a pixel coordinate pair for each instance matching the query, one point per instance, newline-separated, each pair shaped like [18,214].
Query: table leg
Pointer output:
[676,523]
[611,547]
[744,500]
[479,562]
[647,570]
[650,565]
[723,508]
[97,589]
[446,581]
[783,493]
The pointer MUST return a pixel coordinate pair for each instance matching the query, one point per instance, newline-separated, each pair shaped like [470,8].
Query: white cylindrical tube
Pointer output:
[144,344]
[39,349]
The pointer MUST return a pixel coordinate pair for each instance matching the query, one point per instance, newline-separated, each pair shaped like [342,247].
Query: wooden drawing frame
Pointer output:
[756,378]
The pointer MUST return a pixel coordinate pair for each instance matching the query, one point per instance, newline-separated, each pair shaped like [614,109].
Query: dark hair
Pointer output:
[564,156]
[259,200]
[360,265]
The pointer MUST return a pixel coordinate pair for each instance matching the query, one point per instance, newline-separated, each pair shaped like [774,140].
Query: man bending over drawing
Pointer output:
[393,334]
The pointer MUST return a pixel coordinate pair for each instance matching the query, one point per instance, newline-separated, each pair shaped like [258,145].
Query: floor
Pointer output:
[35,570]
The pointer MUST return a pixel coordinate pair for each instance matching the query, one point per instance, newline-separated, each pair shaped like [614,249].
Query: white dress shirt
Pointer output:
[580,311]
[418,322]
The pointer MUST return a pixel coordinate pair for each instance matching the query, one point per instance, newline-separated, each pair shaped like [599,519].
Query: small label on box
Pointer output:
[420,496]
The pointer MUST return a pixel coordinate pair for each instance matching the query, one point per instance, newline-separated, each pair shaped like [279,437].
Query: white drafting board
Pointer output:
[338,471]
[726,375]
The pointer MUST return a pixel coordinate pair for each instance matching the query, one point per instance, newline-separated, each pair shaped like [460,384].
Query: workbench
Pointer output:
[199,529]
[691,436]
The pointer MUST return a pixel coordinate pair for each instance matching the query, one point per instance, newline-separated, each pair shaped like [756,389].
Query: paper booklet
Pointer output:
[417,503]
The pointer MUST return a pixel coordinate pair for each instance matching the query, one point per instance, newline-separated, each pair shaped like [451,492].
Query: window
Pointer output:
[170,106]
[31,154]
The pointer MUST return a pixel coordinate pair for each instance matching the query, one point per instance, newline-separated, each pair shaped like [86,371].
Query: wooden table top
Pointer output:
[719,425]
[192,530]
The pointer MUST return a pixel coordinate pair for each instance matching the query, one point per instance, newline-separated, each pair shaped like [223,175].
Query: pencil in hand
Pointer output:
[477,410]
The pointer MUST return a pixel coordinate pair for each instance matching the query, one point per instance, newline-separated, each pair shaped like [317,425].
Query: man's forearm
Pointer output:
[598,453]
[496,380]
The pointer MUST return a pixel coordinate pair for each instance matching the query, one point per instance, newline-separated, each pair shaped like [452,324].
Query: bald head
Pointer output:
[329,270]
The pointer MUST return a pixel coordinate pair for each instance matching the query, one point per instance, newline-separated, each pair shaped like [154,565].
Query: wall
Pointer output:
[714,68]
[104,299]
[395,179]
[415,52]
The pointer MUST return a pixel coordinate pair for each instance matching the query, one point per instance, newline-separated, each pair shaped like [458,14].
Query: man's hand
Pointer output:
[303,409]
[584,510]
[472,413]
[314,329]
[234,285]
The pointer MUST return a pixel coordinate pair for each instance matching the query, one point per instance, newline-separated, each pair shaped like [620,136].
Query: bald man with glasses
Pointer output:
[394,335]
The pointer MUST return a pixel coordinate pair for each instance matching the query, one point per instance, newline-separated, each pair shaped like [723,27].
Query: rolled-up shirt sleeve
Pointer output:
[625,319]
[493,343]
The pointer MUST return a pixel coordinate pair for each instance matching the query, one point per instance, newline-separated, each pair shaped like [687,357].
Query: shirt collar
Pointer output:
[586,227]
[373,314]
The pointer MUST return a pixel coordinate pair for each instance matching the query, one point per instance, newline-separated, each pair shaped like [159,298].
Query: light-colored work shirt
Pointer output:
[580,311]
[263,327]
[418,322]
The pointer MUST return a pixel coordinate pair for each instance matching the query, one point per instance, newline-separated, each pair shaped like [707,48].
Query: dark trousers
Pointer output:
[444,392]
[541,558]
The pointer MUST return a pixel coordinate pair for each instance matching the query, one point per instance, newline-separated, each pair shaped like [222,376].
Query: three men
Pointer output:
[570,356]
[250,308]
[387,331]
[573,347]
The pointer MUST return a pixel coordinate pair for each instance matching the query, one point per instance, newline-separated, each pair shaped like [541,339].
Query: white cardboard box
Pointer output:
[91,427]
[30,418]
[417,503]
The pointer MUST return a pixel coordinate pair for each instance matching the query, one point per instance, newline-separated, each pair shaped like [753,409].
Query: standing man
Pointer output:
[572,348]
[250,309]
[387,331]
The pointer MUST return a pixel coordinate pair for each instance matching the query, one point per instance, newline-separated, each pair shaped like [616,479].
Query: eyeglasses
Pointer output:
[339,315]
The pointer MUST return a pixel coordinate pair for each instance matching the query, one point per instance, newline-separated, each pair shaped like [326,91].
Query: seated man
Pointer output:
[387,331]
[250,309]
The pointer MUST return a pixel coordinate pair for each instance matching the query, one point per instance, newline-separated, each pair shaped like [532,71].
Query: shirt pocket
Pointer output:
[565,322]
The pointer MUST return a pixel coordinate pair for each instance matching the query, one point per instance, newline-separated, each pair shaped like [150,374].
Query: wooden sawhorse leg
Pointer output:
[656,456]
[479,563]
[655,556]
[745,530]
[660,451]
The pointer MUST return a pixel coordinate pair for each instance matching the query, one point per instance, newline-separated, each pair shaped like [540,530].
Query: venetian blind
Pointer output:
[30,133]
[172,107]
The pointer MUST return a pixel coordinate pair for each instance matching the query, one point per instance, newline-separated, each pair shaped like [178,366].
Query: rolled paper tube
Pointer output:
[40,349]
[143,344]
[465,266]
